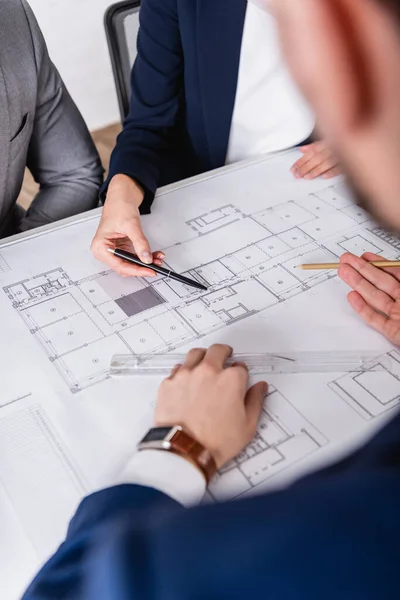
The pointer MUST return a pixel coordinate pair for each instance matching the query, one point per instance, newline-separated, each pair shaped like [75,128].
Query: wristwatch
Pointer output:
[176,440]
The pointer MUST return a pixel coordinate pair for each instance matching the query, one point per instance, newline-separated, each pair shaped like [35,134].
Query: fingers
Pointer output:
[158,258]
[241,377]
[126,269]
[332,173]
[217,355]
[100,251]
[254,402]
[140,244]
[376,286]
[194,357]
[102,243]
[240,365]
[375,294]
[309,161]
[374,319]
[120,227]
[315,162]
[368,256]
[320,169]
[370,294]
[174,371]
[309,152]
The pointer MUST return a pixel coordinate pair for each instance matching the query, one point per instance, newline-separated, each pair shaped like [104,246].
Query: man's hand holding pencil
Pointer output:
[376,293]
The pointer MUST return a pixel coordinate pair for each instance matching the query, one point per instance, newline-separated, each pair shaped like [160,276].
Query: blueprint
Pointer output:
[248,262]
[241,232]
[3,265]
[284,436]
[371,393]
[40,484]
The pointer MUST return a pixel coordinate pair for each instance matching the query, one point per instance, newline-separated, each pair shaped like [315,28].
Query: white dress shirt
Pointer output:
[166,472]
[269,115]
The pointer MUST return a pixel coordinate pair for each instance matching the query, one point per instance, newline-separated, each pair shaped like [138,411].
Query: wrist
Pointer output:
[177,440]
[125,187]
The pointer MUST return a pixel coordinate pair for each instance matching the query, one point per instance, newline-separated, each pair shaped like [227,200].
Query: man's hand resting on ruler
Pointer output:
[317,161]
[376,295]
[212,403]
[120,227]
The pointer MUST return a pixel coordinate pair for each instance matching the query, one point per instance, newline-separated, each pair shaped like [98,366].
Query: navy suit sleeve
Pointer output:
[63,577]
[332,535]
[157,90]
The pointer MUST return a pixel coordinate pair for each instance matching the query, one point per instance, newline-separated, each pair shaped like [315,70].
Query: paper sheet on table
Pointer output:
[240,231]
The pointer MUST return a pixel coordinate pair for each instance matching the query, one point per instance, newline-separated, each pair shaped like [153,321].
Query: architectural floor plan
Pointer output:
[81,323]
[284,436]
[372,392]
[68,428]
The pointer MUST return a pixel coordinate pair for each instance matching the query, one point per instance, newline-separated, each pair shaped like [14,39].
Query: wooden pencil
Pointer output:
[382,264]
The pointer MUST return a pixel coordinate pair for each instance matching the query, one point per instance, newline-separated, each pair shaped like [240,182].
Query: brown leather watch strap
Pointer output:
[183,444]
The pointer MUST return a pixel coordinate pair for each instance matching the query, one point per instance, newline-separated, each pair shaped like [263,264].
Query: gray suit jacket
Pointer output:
[41,128]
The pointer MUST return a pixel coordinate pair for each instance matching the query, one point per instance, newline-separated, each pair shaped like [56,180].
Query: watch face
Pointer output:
[157,434]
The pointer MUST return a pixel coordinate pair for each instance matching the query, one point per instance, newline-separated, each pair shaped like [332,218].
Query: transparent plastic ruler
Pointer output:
[292,362]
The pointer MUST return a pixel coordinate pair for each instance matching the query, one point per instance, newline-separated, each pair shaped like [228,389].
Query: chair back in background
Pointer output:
[121,23]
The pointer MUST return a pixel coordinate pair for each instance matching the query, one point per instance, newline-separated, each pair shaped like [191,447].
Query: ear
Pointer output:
[322,42]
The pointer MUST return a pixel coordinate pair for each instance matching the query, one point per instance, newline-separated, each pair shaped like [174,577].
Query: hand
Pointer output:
[211,402]
[318,161]
[376,295]
[120,228]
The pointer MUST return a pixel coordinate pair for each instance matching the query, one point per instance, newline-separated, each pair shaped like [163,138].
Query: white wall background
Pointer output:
[76,39]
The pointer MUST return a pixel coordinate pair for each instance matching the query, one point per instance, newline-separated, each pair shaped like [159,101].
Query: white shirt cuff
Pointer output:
[166,472]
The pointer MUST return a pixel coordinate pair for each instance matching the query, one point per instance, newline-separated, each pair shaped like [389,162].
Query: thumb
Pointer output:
[254,403]
[140,244]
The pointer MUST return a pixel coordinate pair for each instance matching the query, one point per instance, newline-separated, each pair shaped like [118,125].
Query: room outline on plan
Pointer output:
[284,437]
[374,391]
[249,266]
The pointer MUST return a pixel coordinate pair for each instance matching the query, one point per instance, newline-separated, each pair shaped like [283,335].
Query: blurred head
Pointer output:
[345,55]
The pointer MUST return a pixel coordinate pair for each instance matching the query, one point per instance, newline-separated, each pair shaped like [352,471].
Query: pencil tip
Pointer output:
[111,250]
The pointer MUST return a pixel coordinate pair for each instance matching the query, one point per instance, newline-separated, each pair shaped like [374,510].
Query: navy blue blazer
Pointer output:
[332,535]
[184,85]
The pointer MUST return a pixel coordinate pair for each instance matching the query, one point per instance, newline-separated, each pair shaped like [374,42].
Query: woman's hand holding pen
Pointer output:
[376,293]
[120,227]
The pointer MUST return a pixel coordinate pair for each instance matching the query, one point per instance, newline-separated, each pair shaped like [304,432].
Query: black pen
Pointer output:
[132,258]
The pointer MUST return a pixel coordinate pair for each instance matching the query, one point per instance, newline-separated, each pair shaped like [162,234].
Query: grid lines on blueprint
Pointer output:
[374,391]
[247,261]
[284,436]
